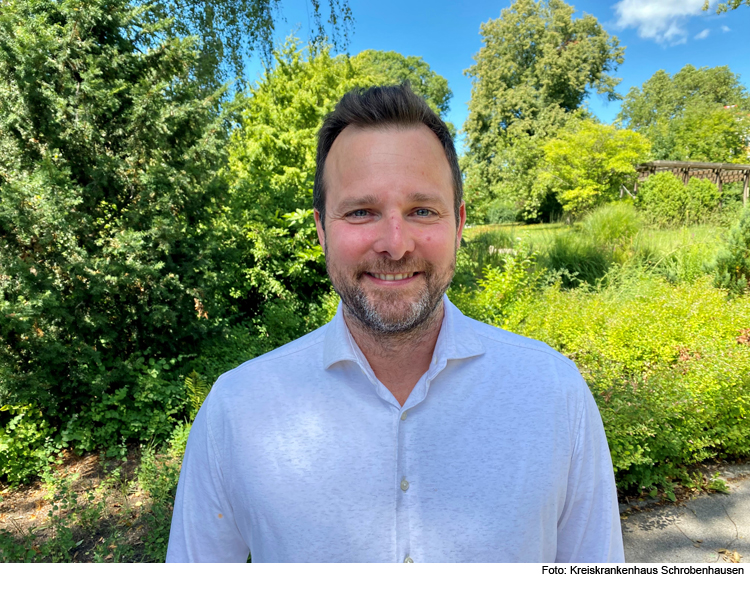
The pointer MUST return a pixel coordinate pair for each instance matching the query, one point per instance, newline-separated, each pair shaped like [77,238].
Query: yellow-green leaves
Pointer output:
[587,163]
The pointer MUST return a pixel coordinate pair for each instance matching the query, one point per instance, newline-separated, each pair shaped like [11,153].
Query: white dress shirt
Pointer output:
[302,455]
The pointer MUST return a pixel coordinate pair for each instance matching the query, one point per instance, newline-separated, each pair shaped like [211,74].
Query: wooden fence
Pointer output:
[717,172]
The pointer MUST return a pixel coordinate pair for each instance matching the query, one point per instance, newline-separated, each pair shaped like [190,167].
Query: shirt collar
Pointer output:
[457,339]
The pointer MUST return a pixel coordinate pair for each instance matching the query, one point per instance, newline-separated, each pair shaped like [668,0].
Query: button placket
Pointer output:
[403,536]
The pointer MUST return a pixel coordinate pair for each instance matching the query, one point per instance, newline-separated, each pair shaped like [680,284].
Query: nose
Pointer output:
[395,239]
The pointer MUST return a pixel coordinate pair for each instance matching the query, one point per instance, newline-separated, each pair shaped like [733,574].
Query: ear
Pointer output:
[319,228]
[461,223]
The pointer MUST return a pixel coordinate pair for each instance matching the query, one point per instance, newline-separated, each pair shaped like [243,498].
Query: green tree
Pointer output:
[685,117]
[587,163]
[534,71]
[108,181]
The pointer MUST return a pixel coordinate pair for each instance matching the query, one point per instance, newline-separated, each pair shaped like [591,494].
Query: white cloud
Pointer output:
[661,20]
[703,34]
[725,29]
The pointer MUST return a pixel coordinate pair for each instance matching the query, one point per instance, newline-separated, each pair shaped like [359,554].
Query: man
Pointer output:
[401,430]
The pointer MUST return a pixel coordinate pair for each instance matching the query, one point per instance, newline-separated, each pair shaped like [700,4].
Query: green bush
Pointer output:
[677,254]
[671,395]
[500,212]
[704,199]
[146,411]
[666,201]
[486,249]
[663,198]
[502,293]
[25,443]
[732,269]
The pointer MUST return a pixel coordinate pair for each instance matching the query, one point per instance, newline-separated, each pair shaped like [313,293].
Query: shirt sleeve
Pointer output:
[589,527]
[203,525]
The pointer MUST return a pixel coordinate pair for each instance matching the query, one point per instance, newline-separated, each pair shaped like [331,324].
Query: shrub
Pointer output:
[668,202]
[146,411]
[663,198]
[503,291]
[486,249]
[500,212]
[671,395]
[703,200]
[25,442]
[732,269]
[682,254]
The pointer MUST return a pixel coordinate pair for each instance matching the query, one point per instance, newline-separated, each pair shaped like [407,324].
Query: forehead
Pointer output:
[387,159]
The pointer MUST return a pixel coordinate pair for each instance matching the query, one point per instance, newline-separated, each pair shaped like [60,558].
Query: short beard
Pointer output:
[368,315]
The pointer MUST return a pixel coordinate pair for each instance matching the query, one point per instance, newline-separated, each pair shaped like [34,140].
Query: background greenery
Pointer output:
[156,231]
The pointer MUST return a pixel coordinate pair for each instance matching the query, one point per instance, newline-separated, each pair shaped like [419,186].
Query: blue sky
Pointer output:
[657,34]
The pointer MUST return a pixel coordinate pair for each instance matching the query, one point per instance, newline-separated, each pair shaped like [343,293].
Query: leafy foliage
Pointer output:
[587,163]
[732,269]
[604,238]
[503,292]
[272,261]
[25,444]
[229,31]
[727,6]
[667,201]
[685,118]
[107,181]
[535,69]
[670,396]
[197,389]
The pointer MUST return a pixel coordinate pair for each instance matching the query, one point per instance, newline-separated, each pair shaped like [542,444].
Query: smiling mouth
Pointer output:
[394,276]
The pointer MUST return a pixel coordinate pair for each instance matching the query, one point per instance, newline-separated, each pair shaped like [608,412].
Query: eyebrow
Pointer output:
[366,200]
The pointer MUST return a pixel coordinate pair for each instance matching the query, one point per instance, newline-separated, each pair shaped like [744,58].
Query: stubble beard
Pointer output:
[389,315]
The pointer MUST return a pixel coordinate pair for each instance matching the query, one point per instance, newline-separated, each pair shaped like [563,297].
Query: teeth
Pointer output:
[395,277]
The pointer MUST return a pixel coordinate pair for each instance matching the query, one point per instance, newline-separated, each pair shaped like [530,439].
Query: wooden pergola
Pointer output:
[717,172]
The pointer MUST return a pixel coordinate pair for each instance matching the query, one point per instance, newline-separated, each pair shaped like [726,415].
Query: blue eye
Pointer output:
[422,212]
[360,213]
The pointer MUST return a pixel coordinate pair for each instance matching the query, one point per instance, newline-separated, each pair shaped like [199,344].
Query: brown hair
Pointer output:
[382,106]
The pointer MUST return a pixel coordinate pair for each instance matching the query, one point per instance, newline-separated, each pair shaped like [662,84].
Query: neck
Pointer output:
[400,359]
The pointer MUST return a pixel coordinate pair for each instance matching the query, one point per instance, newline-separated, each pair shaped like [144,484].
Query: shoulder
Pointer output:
[280,370]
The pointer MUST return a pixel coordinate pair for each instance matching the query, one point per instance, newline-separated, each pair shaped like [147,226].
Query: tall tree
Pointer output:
[535,69]
[108,181]
[697,114]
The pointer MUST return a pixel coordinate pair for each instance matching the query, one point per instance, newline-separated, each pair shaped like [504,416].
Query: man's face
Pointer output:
[390,230]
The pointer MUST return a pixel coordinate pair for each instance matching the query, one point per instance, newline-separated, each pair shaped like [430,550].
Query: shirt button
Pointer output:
[403,415]
[408,559]
[404,485]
